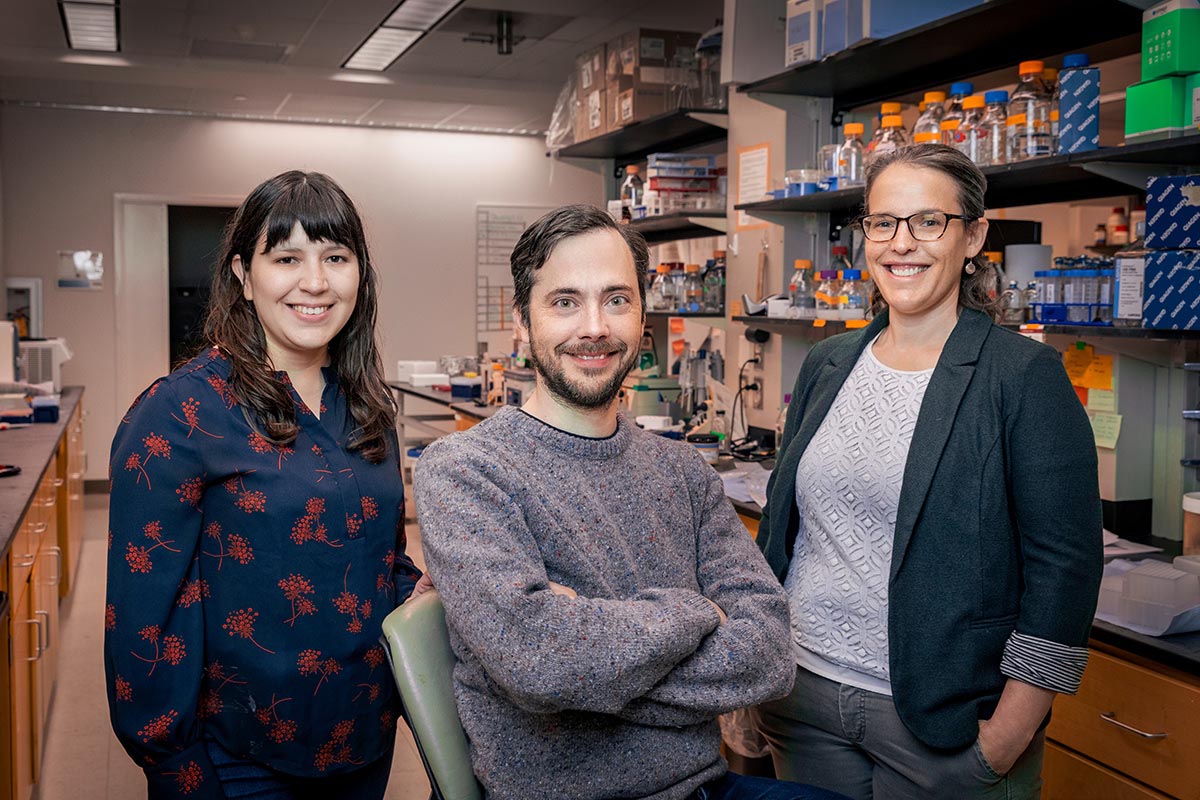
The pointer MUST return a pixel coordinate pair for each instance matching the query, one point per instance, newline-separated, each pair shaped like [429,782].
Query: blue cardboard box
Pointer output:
[1172,292]
[1173,212]
[847,22]
[1078,110]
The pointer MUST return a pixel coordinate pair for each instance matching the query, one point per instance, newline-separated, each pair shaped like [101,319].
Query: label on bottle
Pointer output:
[927,138]
[1131,272]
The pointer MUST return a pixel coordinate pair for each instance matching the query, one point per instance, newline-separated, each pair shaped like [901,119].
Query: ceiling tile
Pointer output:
[412,111]
[224,102]
[340,107]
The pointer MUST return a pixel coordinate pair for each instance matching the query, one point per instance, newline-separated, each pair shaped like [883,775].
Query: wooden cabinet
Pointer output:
[72,466]
[1131,728]
[33,575]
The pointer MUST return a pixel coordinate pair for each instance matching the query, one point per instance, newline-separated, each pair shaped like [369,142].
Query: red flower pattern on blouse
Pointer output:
[336,750]
[309,527]
[158,728]
[347,603]
[171,649]
[241,623]
[188,779]
[231,546]
[192,592]
[122,689]
[260,444]
[110,617]
[295,587]
[221,386]
[279,730]
[191,418]
[310,663]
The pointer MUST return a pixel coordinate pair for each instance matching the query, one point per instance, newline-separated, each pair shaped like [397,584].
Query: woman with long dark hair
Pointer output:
[257,524]
[934,516]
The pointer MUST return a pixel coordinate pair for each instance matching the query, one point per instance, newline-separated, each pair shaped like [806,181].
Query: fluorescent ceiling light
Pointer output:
[420,14]
[91,25]
[403,28]
[384,47]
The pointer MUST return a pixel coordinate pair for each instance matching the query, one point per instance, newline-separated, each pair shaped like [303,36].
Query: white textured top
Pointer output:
[847,492]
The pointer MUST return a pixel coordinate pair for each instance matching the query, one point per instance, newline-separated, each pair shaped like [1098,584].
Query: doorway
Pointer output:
[193,245]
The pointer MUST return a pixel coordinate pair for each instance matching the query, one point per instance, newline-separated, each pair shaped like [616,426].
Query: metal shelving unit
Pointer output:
[680,225]
[675,130]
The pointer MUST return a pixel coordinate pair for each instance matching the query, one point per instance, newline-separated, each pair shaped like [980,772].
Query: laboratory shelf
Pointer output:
[991,36]
[675,130]
[680,225]
[799,326]
[687,315]
[1107,172]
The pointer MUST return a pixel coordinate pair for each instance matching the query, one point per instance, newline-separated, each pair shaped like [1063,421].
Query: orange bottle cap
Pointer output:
[1034,67]
[974,101]
[935,97]
[852,128]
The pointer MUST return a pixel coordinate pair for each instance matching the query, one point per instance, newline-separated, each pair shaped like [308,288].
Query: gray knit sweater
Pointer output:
[615,693]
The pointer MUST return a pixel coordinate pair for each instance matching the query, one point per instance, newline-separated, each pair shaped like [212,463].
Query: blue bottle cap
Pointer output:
[996,96]
[852,274]
[962,87]
[1075,61]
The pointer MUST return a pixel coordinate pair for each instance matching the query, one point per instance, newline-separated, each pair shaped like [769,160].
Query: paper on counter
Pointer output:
[1123,547]
[1183,622]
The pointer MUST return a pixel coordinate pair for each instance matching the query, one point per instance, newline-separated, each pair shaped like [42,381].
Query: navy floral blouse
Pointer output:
[246,586]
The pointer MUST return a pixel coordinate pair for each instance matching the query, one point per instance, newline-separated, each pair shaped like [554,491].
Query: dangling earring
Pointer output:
[969,267]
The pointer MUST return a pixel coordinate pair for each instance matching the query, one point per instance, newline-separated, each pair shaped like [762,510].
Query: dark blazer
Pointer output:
[999,523]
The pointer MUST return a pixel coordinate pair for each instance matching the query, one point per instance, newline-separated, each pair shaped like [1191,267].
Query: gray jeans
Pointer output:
[852,741]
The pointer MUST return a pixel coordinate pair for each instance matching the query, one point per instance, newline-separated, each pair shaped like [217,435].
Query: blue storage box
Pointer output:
[1172,290]
[1173,212]
[1078,106]
[845,23]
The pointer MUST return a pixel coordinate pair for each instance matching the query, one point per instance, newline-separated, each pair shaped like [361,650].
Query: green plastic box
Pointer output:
[1171,39]
[1155,109]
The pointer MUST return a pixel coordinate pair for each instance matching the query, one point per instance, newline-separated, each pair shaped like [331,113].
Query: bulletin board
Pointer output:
[497,229]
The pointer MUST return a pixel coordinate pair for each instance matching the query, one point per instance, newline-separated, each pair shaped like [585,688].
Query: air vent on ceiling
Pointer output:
[238,51]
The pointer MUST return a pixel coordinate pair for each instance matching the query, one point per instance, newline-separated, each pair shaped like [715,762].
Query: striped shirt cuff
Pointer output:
[1043,663]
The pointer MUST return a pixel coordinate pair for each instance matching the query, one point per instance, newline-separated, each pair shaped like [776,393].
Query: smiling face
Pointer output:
[918,278]
[585,319]
[304,292]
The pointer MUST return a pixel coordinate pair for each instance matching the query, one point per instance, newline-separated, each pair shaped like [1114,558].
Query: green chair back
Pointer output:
[423,664]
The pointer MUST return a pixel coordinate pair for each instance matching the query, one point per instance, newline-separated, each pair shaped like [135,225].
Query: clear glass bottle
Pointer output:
[951,133]
[1030,104]
[885,110]
[631,192]
[850,156]
[1031,298]
[972,138]
[1012,304]
[828,295]
[714,289]
[1129,281]
[801,290]
[954,106]
[693,290]
[840,258]
[854,292]
[720,427]
[927,129]
[995,122]
[662,290]
[893,137]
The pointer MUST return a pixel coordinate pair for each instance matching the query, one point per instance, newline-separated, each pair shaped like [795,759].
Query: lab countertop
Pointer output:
[458,404]
[30,449]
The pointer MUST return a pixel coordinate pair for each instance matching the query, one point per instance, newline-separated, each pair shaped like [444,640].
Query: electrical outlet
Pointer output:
[754,397]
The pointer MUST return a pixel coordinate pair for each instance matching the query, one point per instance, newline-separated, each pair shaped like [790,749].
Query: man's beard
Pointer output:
[555,378]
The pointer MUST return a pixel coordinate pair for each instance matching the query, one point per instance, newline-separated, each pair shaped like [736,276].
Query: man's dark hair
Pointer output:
[539,240]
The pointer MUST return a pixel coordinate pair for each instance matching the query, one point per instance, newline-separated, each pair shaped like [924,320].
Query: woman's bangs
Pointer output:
[323,216]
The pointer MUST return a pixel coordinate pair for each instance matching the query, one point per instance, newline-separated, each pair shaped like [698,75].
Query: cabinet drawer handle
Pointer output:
[45,615]
[38,656]
[58,482]
[1111,717]
[32,560]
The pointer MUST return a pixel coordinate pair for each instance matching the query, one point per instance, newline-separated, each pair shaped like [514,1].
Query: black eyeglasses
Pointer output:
[930,225]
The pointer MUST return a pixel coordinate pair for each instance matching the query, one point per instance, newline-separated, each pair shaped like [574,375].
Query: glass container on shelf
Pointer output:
[1031,299]
[850,156]
[708,58]
[995,123]
[855,300]
[928,128]
[1029,115]
[1012,304]
[829,295]
[893,137]
[1117,229]
[954,106]
[972,135]
[885,110]
[631,192]
[662,290]
[951,133]
[801,290]
[693,290]
[714,289]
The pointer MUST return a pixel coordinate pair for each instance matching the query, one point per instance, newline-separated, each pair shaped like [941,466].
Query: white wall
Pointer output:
[417,192]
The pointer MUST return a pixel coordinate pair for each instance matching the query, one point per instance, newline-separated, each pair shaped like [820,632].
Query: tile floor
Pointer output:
[82,754]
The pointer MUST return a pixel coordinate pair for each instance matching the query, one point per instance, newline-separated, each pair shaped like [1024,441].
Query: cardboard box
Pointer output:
[802,39]
[1155,109]
[1078,110]
[642,67]
[1173,212]
[1172,293]
[591,113]
[1171,39]
[846,23]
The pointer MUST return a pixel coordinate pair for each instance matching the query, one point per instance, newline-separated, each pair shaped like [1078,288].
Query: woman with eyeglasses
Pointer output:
[934,516]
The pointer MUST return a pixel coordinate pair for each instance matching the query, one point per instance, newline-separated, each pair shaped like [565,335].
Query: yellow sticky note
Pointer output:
[1099,373]
[1077,360]
[1101,400]
[1106,428]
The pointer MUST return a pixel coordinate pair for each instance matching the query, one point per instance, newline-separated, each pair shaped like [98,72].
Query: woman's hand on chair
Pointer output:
[424,584]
